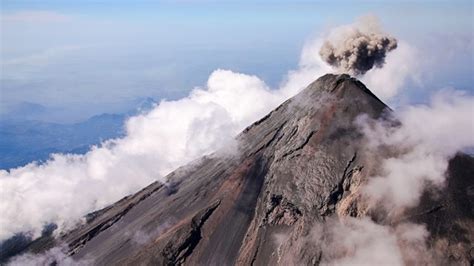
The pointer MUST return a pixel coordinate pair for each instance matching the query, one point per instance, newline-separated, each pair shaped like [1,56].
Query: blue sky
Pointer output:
[90,57]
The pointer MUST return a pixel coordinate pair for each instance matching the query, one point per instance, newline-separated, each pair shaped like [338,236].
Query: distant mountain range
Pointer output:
[24,138]
[22,142]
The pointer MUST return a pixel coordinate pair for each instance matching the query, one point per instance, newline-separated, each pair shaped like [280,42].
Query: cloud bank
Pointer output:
[427,137]
[360,241]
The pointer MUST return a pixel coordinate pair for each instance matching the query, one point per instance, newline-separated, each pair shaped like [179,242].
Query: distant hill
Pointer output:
[26,137]
[24,141]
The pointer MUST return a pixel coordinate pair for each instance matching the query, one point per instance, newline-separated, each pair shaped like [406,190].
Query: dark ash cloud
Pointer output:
[358,48]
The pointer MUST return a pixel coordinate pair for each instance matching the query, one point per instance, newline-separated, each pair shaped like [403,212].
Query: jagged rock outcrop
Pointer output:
[302,163]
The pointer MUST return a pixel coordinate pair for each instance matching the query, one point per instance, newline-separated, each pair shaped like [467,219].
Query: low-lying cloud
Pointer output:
[424,141]
[360,241]
[54,256]
[401,66]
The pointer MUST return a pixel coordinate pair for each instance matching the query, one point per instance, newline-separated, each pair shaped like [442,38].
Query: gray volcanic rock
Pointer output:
[449,214]
[297,166]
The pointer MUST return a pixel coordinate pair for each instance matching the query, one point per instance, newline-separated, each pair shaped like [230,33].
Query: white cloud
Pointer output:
[401,65]
[54,256]
[360,241]
[429,135]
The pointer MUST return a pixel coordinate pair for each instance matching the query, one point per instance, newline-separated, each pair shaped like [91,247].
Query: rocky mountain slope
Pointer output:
[297,167]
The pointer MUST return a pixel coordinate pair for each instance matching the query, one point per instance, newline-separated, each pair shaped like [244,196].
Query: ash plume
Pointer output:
[355,49]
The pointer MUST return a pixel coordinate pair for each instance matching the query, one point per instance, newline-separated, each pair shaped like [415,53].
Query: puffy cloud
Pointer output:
[54,256]
[424,141]
[402,66]
[352,241]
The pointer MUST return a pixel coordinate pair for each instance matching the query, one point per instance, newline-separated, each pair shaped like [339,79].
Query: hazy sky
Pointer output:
[89,57]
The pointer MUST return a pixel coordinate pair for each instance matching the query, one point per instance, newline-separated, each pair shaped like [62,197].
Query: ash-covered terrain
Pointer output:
[293,194]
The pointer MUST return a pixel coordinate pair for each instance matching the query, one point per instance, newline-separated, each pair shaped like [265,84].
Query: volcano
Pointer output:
[301,165]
